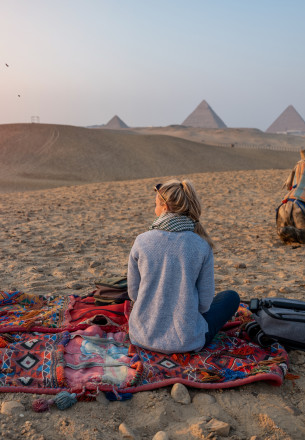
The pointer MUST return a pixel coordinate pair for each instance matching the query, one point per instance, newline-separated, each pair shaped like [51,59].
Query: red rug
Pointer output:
[90,360]
[33,363]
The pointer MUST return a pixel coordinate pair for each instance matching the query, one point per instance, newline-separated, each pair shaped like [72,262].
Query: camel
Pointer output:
[290,216]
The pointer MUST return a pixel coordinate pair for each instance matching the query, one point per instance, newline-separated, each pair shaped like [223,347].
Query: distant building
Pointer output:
[115,123]
[204,117]
[289,122]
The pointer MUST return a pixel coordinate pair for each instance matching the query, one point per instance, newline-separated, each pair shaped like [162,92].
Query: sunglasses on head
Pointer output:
[157,189]
[158,186]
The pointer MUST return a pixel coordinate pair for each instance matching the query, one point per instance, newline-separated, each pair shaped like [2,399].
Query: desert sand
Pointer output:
[62,237]
[38,156]
[59,241]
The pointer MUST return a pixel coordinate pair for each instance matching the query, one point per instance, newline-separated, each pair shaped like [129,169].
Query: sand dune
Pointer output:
[37,156]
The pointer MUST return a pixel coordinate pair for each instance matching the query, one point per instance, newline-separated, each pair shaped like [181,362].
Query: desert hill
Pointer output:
[240,137]
[37,156]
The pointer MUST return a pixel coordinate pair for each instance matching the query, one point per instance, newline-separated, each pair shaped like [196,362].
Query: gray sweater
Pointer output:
[171,280]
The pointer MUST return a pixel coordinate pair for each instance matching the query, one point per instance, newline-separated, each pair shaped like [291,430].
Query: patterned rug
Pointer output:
[227,362]
[24,312]
[91,360]
[99,361]
[33,363]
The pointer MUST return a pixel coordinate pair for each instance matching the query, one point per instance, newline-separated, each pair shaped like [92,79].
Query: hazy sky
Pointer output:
[151,62]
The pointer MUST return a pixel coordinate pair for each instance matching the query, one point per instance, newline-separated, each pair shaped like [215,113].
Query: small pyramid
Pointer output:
[289,120]
[204,117]
[115,123]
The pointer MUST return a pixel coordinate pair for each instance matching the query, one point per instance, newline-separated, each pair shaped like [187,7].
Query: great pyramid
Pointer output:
[204,117]
[288,121]
[115,123]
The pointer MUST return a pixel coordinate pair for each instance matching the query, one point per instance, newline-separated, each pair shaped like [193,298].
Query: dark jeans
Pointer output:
[223,307]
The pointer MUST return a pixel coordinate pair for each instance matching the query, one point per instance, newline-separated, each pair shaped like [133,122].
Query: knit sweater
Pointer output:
[171,281]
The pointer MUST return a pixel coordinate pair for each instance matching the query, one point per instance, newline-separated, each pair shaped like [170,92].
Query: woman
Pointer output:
[171,277]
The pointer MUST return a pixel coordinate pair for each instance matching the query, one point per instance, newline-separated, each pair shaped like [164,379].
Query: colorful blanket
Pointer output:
[33,363]
[91,360]
[52,314]
[23,312]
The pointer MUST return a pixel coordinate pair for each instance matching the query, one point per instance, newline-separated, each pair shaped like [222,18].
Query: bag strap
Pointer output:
[284,303]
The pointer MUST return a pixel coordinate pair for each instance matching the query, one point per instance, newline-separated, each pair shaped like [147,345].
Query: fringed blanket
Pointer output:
[227,362]
[98,360]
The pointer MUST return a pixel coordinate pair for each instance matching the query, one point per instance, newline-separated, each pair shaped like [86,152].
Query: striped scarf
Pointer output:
[171,222]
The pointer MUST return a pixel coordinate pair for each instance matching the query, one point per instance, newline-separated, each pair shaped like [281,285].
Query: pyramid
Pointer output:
[204,117]
[115,123]
[288,121]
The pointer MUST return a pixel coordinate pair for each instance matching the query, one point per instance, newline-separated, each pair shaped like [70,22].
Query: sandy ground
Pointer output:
[59,241]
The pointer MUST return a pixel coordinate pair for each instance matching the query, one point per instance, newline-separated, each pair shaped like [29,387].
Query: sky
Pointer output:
[151,62]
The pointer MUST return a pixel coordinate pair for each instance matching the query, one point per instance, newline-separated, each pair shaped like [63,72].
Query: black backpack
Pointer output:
[278,320]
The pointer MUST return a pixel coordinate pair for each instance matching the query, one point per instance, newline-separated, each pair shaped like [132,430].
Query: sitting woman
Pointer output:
[171,278]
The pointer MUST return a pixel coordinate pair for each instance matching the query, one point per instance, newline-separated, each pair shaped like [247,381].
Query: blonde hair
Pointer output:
[302,153]
[181,198]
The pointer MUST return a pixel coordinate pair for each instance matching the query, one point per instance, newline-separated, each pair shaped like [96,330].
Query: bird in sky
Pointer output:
[6,65]
[19,96]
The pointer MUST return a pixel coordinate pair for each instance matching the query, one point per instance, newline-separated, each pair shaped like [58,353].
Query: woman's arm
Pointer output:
[205,283]
[133,275]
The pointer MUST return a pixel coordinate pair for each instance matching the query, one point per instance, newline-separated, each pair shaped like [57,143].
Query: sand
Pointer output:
[59,241]
[38,156]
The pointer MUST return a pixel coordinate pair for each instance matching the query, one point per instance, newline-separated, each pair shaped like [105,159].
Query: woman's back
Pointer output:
[171,280]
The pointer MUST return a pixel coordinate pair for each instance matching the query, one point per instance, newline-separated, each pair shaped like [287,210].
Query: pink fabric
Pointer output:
[94,357]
